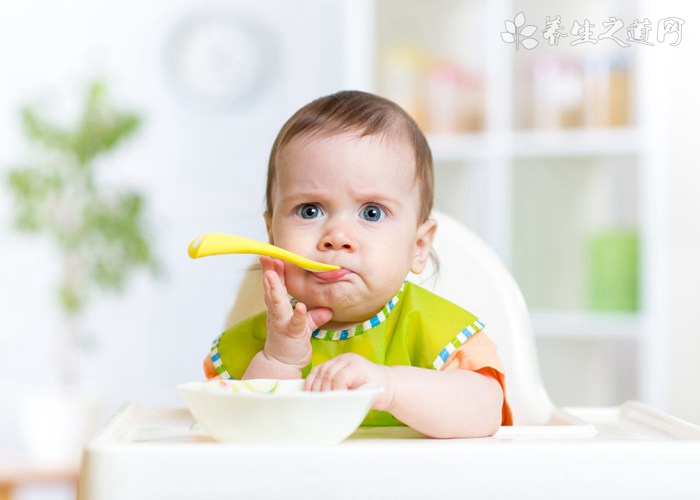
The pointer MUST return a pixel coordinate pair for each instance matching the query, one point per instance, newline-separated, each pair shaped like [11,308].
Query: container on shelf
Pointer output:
[557,93]
[605,91]
[441,95]
[612,270]
[403,79]
[454,99]
[575,92]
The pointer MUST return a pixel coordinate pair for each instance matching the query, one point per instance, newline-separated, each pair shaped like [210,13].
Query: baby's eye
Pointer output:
[373,213]
[309,211]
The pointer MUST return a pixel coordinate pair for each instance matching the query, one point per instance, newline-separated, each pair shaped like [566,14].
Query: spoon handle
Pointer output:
[219,243]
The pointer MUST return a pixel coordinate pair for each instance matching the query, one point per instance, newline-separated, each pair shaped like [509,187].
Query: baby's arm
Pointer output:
[440,404]
[446,404]
[288,346]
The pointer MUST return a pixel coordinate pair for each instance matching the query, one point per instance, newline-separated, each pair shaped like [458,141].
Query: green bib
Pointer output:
[416,328]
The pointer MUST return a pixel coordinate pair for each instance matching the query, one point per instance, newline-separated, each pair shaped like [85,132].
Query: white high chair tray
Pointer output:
[630,451]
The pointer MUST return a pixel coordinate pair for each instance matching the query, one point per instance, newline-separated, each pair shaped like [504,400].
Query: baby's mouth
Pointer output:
[331,276]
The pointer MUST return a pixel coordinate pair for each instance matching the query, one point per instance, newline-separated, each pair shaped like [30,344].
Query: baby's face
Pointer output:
[352,202]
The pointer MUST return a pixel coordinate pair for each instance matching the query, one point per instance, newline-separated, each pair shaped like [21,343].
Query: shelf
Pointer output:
[576,142]
[539,196]
[457,147]
[536,144]
[587,325]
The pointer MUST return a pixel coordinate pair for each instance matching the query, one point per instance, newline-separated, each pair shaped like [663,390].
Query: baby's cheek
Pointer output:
[292,278]
[296,285]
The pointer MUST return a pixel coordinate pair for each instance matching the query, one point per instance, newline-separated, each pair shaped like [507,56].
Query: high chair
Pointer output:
[629,451]
[472,276]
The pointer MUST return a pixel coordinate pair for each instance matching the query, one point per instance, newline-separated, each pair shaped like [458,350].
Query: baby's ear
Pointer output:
[268,225]
[424,242]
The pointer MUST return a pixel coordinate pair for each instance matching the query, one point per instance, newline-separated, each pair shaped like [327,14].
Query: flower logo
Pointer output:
[518,34]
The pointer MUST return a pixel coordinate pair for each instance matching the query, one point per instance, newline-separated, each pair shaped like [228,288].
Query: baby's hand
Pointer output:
[288,329]
[349,371]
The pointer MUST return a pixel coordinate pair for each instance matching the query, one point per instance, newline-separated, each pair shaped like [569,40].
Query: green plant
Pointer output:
[98,230]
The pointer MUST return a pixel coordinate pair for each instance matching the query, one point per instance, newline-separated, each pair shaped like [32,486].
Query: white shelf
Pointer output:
[468,146]
[458,147]
[587,325]
[576,142]
[488,170]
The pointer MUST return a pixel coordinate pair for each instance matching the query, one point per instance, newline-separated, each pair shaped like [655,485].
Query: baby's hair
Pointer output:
[368,115]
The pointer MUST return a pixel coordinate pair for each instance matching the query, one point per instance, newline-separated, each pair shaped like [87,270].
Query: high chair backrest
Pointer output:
[472,276]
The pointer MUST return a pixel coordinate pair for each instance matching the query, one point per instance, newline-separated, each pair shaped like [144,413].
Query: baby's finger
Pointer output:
[307,381]
[323,375]
[316,378]
[278,266]
[268,291]
[270,264]
[351,377]
[266,263]
[312,379]
[335,377]
[297,324]
[278,305]
[317,317]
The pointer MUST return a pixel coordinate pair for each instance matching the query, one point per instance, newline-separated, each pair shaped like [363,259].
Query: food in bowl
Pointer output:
[276,411]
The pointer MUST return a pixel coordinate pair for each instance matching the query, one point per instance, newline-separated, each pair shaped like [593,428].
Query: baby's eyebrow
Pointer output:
[326,196]
[306,196]
[378,197]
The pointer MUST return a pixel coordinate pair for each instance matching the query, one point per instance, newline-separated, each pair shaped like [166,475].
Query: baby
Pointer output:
[350,182]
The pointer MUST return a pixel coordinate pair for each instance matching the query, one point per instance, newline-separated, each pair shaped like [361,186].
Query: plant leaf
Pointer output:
[507,37]
[530,43]
[528,30]
[101,233]
[510,27]
[519,20]
[70,299]
[38,129]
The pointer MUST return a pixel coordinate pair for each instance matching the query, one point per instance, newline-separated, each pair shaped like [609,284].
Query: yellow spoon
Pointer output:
[218,243]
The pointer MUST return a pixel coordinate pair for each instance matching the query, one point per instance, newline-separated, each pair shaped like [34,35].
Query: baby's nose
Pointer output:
[337,238]
[336,244]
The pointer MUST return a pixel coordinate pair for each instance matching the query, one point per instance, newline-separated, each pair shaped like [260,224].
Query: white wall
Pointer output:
[201,166]
[677,80]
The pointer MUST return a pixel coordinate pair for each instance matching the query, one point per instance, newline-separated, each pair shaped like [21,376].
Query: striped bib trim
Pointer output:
[216,359]
[460,339]
[376,320]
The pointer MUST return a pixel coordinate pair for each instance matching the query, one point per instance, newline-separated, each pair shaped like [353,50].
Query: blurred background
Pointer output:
[126,129]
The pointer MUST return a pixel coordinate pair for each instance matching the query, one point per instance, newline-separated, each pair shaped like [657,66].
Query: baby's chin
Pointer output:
[346,319]
[350,300]
[336,301]
[348,306]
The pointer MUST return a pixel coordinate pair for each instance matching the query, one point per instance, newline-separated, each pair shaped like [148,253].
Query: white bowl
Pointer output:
[276,411]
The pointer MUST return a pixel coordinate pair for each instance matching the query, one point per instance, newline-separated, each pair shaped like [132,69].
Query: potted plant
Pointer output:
[97,230]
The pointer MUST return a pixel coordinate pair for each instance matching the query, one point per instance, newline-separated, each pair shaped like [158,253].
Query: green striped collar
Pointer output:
[376,320]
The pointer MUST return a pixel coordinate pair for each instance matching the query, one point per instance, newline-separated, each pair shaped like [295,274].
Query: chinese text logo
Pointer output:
[668,29]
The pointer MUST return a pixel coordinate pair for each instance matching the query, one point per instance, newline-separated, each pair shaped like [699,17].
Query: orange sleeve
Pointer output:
[479,354]
[209,369]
